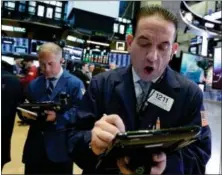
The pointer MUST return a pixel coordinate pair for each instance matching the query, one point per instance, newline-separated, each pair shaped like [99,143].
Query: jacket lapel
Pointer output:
[168,86]
[125,90]
[39,93]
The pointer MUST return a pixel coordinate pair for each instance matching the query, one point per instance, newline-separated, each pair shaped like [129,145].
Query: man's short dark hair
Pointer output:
[154,10]
[83,64]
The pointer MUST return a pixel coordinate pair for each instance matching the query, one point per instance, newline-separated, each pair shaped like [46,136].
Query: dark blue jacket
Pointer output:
[11,97]
[113,93]
[51,138]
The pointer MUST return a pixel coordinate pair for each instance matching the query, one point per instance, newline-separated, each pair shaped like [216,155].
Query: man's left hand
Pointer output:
[159,159]
[51,116]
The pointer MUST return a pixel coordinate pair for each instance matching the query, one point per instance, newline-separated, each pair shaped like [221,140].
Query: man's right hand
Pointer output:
[104,132]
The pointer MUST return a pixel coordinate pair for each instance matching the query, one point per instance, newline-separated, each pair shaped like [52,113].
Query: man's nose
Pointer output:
[152,54]
[46,68]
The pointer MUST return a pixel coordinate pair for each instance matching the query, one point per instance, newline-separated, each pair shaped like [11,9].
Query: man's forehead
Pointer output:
[47,55]
[153,25]
[47,59]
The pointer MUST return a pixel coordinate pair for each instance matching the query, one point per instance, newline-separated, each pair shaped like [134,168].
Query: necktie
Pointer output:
[50,86]
[143,95]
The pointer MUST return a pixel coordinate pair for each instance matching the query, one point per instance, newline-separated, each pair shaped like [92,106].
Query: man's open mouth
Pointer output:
[148,69]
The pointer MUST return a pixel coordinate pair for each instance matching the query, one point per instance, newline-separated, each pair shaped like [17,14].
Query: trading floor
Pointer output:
[18,140]
[213,167]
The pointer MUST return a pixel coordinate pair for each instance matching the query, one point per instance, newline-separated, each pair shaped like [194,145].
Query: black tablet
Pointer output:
[172,138]
[151,141]
[41,106]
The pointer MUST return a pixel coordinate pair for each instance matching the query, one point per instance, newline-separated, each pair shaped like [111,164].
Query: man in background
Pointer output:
[45,150]
[18,66]
[90,70]
[11,97]
[31,73]
[112,66]
[81,73]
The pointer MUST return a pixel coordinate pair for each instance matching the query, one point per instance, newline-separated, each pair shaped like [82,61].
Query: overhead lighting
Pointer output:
[80,41]
[216,39]
[98,43]
[7,42]
[209,25]
[71,38]
[124,20]
[120,19]
[13,29]
[115,27]
[19,29]
[7,28]
[75,39]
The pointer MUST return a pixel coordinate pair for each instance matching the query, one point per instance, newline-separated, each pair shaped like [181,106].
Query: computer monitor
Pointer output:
[190,69]
[35,44]
[73,53]
[217,69]
[49,12]
[120,59]
[15,45]
[40,11]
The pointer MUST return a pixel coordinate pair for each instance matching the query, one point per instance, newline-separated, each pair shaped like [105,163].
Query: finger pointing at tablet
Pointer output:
[104,132]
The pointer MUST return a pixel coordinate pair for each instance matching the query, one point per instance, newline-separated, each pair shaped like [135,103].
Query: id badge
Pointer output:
[161,100]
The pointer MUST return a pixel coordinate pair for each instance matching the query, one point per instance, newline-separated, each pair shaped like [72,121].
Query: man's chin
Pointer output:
[48,76]
[149,77]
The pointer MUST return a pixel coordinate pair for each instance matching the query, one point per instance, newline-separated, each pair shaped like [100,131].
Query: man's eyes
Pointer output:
[144,43]
[164,46]
[49,64]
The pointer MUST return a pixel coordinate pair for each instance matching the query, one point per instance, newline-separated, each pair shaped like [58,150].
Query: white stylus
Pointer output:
[27,111]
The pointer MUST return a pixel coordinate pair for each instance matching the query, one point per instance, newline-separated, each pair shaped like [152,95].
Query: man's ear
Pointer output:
[129,40]
[62,61]
[175,48]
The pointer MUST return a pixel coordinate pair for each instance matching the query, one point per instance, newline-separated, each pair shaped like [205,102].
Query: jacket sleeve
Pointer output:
[80,136]
[193,158]
[27,95]
[68,117]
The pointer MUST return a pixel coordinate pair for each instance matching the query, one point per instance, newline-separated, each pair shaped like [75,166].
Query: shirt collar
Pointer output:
[136,77]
